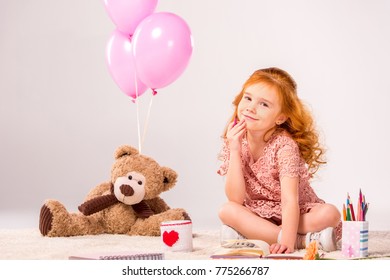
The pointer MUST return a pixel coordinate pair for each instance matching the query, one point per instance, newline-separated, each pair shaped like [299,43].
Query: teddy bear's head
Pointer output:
[136,177]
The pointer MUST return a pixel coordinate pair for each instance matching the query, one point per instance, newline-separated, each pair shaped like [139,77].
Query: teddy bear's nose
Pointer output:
[126,190]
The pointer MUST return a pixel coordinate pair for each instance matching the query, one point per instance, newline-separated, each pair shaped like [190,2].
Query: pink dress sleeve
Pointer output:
[288,159]
[224,157]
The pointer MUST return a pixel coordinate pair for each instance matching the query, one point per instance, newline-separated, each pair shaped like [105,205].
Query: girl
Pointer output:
[270,152]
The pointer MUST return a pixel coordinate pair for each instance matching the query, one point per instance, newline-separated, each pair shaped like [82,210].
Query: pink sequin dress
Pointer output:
[281,157]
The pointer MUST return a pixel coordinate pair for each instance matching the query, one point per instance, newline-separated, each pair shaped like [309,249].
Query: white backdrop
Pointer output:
[62,116]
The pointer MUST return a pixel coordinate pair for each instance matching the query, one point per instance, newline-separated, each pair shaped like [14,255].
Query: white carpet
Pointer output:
[28,244]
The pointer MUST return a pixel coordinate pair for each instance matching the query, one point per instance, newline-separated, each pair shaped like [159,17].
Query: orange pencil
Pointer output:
[344,213]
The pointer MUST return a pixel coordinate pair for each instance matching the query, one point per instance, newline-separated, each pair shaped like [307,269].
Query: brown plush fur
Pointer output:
[119,218]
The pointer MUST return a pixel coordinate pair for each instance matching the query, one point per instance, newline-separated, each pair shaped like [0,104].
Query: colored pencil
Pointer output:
[361,210]
[344,213]
[348,214]
[352,212]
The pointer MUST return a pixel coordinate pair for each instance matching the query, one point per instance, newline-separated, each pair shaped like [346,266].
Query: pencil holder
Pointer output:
[354,242]
[177,235]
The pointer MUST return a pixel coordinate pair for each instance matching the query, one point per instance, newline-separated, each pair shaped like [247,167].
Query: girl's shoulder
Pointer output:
[281,138]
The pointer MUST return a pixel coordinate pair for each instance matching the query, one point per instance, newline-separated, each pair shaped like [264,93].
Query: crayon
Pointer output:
[235,121]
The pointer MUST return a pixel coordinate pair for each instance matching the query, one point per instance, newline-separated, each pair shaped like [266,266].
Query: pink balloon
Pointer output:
[120,62]
[162,46]
[127,14]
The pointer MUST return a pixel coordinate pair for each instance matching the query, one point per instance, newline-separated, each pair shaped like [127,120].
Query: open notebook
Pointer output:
[119,256]
[249,249]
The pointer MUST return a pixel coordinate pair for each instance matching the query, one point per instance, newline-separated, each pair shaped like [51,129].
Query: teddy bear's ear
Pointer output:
[125,151]
[170,177]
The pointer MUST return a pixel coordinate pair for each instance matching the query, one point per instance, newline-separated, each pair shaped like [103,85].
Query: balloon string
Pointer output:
[147,116]
[137,108]
[138,128]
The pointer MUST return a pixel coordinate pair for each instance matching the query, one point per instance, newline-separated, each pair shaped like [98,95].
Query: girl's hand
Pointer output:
[277,248]
[234,134]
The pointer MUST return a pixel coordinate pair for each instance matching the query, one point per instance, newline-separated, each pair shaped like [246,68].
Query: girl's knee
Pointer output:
[332,215]
[337,217]
[325,215]
[227,212]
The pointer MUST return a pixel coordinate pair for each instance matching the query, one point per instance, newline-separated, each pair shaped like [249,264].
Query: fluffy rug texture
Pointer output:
[29,244]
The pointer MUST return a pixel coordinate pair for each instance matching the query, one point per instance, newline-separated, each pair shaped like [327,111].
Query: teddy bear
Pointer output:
[129,203]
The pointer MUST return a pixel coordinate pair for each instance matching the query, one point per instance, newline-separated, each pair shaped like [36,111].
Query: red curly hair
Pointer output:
[299,123]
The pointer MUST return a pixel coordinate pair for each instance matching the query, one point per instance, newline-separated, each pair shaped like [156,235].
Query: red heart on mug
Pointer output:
[170,238]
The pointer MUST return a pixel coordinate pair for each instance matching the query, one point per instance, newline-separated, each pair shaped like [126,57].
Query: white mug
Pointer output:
[176,235]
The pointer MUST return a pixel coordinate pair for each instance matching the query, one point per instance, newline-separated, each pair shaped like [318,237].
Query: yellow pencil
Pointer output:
[344,213]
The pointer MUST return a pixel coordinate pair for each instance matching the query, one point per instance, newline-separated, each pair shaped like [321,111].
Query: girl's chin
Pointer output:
[254,129]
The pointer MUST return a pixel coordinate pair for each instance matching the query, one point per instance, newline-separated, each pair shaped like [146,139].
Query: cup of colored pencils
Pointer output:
[355,228]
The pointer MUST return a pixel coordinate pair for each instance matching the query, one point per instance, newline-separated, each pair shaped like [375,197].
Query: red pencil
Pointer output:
[352,212]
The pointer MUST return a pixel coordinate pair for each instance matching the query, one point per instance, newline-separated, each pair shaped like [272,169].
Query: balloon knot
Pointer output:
[154,91]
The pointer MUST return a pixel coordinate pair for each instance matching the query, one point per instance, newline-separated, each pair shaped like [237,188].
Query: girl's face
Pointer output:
[260,108]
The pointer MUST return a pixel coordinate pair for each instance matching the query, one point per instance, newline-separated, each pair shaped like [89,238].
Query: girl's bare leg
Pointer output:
[247,223]
[252,226]
[320,217]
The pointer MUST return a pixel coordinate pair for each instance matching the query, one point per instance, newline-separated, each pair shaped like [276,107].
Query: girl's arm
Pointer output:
[290,212]
[235,183]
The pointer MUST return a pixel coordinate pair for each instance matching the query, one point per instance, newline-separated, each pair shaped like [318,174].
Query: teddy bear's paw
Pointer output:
[175,214]
[186,216]
[53,219]
[45,220]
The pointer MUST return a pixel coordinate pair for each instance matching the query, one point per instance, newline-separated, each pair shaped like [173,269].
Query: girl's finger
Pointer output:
[282,249]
